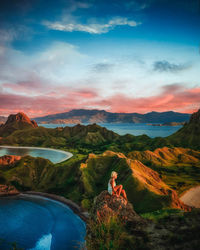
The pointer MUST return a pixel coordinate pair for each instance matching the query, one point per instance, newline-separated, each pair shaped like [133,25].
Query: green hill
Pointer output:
[178,167]
[189,134]
[38,174]
[145,190]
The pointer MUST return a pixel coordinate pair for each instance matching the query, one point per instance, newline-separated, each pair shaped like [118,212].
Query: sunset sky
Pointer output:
[120,56]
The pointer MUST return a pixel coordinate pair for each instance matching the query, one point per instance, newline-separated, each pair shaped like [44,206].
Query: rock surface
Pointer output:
[8,190]
[9,159]
[106,205]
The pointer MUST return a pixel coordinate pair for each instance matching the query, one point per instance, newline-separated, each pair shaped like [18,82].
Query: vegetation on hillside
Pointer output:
[179,168]
[149,170]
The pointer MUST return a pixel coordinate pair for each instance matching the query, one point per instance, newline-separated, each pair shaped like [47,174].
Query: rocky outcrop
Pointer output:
[22,118]
[8,190]
[111,218]
[106,205]
[9,159]
[15,122]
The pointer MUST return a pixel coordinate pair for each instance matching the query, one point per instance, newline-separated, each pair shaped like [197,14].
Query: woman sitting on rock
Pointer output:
[114,189]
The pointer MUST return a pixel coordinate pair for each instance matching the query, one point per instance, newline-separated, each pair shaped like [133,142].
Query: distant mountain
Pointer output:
[102,116]
[16,122]
[189,134]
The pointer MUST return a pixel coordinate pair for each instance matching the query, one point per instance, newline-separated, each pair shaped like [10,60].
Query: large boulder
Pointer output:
[106,205]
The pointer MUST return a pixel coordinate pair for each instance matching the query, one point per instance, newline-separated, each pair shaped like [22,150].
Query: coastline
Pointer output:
[72,205]
[68,154]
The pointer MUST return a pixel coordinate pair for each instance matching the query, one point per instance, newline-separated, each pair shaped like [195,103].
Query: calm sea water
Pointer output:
[54,156]
[128,128]
[38,223]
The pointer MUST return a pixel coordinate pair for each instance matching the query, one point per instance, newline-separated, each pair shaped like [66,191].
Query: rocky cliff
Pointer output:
[15,122]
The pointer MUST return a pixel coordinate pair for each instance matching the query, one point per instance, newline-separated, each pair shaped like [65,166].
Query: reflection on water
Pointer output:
[37,223]
[17,151]
[43,243]
[53,155]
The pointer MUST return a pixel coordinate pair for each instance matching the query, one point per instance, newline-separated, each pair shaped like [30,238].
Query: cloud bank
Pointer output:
[93,27]
[172,97]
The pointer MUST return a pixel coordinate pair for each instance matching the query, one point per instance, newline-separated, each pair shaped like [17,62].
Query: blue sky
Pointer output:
[130,56]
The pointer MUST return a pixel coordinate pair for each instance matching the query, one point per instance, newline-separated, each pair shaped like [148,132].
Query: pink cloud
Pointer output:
[59,100]
[173,97]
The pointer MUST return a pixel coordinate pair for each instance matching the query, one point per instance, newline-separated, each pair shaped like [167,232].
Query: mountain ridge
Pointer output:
[102,116]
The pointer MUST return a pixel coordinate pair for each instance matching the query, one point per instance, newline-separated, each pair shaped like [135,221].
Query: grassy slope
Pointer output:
[187,136]
[96,173]
[178,167]
[82,140]
[40,174]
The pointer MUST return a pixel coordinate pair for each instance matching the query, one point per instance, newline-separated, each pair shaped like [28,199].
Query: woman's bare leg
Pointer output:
[118,189]
[124,194]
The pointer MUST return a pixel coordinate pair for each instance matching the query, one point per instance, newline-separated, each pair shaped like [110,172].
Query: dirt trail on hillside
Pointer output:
[192,197]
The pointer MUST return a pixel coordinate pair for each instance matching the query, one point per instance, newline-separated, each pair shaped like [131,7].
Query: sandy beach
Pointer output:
[192,197]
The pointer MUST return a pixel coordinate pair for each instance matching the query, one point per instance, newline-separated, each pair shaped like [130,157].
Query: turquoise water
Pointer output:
[54,156]
[129,128]
[37,223]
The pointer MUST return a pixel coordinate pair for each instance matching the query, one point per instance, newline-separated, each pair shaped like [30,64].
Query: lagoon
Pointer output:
[38,223]
[54,155]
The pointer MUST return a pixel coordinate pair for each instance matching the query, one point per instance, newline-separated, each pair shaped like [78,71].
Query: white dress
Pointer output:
[110,187]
